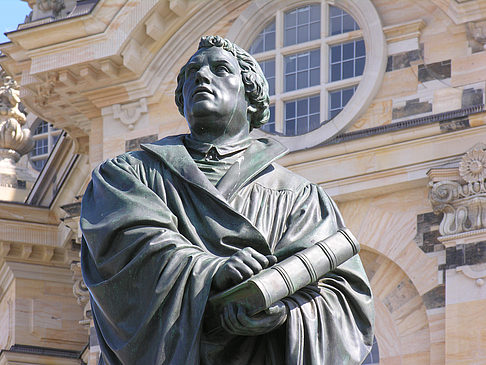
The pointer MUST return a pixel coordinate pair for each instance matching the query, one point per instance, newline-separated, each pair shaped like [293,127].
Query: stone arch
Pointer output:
[402,324]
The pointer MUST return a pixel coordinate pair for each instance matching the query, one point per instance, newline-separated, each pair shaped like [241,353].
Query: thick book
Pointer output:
[284,278]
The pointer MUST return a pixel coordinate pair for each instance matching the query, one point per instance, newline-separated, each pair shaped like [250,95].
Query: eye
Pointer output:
[190,70]
[222,68]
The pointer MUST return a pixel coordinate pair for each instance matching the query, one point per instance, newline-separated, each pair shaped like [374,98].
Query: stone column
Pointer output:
[458,191]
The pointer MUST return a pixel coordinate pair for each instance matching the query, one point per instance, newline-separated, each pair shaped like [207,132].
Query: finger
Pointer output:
[262,259]
[235,274]
[272,260]
[252,263]
[276,308]
[243,270]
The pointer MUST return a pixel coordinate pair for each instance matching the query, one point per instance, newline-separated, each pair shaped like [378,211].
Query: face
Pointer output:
[213,91]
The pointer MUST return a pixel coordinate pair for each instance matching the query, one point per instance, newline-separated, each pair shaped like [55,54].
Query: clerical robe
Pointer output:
[155,231]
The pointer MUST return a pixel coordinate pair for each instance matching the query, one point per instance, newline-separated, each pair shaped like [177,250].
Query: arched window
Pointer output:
[45,137]
[313,57]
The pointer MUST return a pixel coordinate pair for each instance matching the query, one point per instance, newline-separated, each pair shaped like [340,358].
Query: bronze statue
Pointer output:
[169,227]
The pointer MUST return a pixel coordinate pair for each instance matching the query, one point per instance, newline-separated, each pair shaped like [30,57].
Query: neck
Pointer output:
[221,138]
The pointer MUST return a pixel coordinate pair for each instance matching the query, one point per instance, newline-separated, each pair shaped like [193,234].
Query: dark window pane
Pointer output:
[348,23]
[290,64]
[360,48]
[315,13]
[290,110]
[314,122]
[336,72]
[302,79]
[315,77]
[271,86]
[290,19]
[347,95]
[335,26]
[315,31]
[303,15]
[269,41]
[315,58]
[270,68]
[302,33]
[314,105]
[302,107]
[290,127]
[290,82]
[348,51]
[336,53]
[302,125]
[360,64]
[290,36]
[303,61]
[334,11]
[333,113]
[335,99]
[348,69]
[257,45]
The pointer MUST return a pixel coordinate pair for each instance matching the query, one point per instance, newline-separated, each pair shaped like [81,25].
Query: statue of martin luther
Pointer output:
[189,216]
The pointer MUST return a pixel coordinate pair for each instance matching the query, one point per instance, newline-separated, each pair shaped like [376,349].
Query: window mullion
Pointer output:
[325,66]
[279,112]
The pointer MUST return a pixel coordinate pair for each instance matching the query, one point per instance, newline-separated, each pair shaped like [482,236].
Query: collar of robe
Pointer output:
[222,150]
[257,157]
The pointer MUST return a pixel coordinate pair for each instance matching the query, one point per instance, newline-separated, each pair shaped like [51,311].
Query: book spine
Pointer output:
[304,267]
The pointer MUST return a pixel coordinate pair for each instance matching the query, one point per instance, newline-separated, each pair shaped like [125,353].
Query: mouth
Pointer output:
[201,89]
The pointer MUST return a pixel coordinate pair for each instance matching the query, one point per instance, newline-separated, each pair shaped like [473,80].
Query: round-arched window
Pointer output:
[314,56]
[304,61]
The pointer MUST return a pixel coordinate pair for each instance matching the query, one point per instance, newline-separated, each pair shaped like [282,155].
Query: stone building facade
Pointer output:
[380,101]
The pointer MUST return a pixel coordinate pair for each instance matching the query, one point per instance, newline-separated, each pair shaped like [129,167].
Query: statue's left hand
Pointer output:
[235,320]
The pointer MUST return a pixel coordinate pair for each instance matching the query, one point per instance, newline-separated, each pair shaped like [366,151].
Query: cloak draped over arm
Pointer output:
[148,283]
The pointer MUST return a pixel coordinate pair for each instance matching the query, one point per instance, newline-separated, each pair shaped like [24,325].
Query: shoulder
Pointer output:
[277,177]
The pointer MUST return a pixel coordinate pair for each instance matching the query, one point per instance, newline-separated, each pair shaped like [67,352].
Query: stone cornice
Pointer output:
[19,212]
[463,11]
[80,63]
[65,30]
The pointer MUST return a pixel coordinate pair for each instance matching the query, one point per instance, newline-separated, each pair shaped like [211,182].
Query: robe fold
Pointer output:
[155,231]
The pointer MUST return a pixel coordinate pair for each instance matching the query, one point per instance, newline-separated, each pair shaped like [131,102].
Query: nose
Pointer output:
[203,75]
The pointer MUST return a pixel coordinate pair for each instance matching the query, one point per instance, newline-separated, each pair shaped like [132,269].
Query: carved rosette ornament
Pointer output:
[473,166]
[15,140]
[462,199]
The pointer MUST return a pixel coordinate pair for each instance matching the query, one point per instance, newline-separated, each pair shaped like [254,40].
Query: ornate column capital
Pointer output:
[459,192]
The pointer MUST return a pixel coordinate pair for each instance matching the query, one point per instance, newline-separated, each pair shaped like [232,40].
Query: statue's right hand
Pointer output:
[240,266]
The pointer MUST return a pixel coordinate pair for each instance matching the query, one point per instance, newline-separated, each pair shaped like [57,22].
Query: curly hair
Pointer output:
[256,86]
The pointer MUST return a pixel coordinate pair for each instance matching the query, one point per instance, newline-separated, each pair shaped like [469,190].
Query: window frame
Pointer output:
[258,15]
[49,136]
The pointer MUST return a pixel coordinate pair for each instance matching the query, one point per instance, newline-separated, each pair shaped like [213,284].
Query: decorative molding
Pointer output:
[129,114]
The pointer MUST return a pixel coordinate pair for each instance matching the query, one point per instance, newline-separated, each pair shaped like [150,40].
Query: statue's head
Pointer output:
[254,84]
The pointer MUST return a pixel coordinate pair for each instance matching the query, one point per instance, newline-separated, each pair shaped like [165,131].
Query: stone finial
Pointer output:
[460,193]
[15,141]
